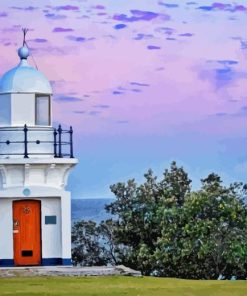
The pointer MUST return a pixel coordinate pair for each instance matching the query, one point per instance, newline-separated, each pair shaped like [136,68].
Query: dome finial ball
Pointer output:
[23,52]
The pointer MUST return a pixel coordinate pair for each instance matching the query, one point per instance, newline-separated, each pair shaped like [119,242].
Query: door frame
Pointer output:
[40,223]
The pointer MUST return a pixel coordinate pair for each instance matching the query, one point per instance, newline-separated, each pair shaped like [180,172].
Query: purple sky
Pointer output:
[142,82]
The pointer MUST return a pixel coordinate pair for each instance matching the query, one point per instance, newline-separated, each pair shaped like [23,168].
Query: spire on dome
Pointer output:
[24,30]
[23,52]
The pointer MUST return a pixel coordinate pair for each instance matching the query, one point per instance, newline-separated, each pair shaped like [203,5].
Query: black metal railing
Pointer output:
[61,142]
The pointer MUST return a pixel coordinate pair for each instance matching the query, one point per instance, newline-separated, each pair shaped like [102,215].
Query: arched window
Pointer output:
[42,110]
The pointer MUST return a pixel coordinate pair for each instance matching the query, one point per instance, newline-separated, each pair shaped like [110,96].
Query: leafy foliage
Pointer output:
[163,228]
[94,245]
[207,237]
[138,209]
[87,249]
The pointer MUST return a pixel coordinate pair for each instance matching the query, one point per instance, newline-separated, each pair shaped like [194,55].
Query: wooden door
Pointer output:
[27,232]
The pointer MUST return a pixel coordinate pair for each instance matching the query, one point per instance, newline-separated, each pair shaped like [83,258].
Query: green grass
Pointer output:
[122,286]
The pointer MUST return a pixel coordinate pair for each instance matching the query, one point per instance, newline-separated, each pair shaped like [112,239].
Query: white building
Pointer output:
[35,161]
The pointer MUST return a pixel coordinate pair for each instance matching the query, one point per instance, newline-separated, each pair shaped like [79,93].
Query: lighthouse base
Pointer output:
[21,246]
[35,213]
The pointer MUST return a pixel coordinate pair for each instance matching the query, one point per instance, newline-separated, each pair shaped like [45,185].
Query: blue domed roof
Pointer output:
[24,78]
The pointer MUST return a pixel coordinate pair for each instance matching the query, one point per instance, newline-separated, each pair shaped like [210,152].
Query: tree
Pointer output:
[94,244]
[206,238]
[138,208]
[108,242]
[170,231]
[87,249]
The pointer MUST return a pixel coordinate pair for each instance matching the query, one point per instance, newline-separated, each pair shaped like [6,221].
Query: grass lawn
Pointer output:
[122,286]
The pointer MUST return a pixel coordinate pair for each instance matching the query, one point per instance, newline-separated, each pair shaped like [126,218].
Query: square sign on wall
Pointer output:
[50,219]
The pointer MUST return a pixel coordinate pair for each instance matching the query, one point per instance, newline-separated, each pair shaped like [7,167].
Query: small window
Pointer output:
[42,111]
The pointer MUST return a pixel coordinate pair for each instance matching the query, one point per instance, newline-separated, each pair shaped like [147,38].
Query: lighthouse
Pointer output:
[35,161]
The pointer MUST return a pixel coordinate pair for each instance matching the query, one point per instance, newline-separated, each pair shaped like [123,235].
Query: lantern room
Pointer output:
[25,95]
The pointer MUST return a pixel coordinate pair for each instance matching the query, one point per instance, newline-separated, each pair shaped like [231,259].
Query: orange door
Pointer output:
[27,232]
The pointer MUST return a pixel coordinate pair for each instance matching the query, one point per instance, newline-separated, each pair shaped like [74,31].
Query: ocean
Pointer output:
[89,209]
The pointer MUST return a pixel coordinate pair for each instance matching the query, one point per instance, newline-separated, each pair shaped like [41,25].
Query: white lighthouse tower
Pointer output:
[35,161]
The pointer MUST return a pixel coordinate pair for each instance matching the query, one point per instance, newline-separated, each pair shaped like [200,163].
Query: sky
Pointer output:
[142,82]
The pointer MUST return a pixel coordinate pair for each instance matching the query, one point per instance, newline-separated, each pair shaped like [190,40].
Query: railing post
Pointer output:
[59,141]
[25,141]
[55,142]
[71,142]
